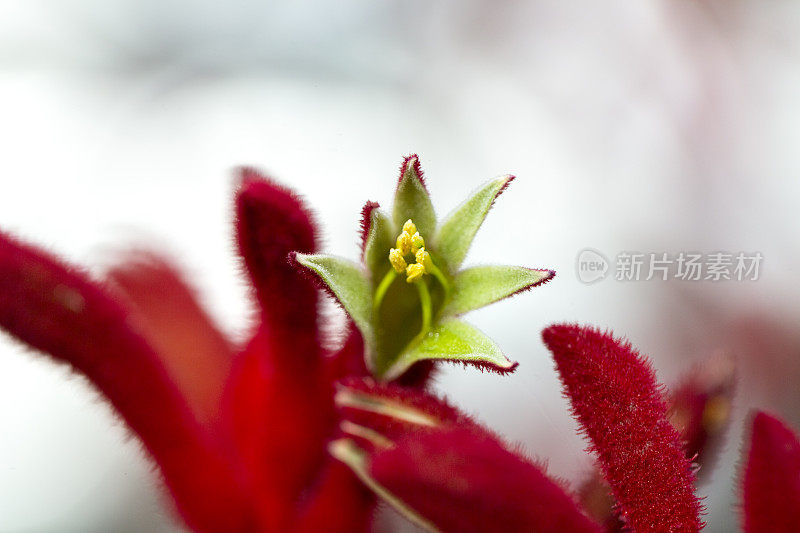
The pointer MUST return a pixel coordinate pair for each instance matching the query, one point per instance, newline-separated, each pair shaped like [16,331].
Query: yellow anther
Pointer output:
[397,261]
[411,242]
[404,243]
[417,242]
[424,259]
[414,272]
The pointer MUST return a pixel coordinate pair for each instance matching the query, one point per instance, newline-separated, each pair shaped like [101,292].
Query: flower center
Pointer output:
[411,243]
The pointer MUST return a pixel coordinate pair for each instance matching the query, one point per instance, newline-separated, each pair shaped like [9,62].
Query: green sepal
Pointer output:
[347,281]
[346,451]
[452,340]
[380,238]
[479,286]
[459,228]
[411,200]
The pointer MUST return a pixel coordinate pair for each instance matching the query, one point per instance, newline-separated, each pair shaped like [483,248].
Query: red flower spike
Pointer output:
[195,353]
[271,223]
[57,309]
[699,409]
[441,469]
[619,404]
[771,485]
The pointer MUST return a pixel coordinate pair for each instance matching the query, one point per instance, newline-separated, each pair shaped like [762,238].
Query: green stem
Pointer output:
[380,292]
[425,301]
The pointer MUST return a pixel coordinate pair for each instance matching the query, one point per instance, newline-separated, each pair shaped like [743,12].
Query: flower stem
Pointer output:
[433,269]
[380,292]
[425,302]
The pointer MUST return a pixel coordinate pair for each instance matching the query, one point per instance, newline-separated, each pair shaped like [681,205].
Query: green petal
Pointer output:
[452,340]
[411,200]
[380,238]
[479,286]
[348,283]
[459,228]
[346,451]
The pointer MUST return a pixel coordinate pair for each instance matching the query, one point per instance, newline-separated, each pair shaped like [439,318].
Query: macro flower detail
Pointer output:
[771,481]
[238,432]
[285,433]
[407,296]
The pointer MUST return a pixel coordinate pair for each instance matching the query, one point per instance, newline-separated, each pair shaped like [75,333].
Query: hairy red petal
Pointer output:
[366,221]
[271,222]
[338,503]
[57,309]
[449,470]
[465,481]
[699,408]
[280,423]
[393,410]
[771,487]
[619,404]
[195,353]
[413,160]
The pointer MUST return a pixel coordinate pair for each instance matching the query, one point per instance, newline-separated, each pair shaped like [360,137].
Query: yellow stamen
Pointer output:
[414,272]
[409,227]
[417,242]
[424,259]
[397,261]
[404,243]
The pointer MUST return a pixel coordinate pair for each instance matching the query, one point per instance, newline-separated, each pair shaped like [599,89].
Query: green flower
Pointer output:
[407,295]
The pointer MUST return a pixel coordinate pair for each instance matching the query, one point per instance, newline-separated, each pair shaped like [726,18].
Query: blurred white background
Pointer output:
[652,126]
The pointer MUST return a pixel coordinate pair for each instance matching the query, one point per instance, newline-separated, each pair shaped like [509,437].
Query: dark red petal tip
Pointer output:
[272,222]
[619,404]
[366,221]
[771,485]
[502,189]
[412,161]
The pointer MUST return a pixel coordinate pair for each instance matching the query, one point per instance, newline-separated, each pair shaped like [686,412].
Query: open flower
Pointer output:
[408,294]
[239,433]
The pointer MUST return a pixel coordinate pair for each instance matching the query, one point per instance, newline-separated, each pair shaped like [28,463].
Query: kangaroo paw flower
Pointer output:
[407,293]
[619,405]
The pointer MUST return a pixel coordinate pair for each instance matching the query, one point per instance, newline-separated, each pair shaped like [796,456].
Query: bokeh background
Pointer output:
[654,126]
